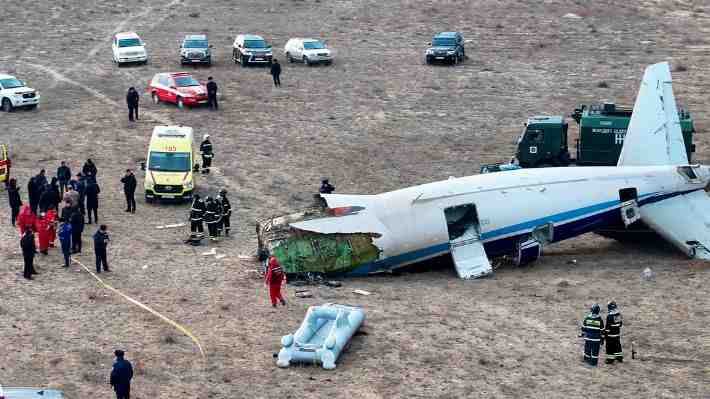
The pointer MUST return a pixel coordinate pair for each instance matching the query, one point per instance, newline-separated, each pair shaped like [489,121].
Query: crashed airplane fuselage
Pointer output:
[510,213]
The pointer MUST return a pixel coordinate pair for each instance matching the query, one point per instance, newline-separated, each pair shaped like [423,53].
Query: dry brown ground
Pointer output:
[377,120]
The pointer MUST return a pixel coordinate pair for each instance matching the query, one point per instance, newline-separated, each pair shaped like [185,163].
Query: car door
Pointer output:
[171,90]
[299,49]
[162,88]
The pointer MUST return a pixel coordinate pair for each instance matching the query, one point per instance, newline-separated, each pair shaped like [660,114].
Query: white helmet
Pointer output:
[205,137]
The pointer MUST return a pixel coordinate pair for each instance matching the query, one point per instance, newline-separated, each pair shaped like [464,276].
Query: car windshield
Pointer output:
[195,44]
[129,42]
[10,83]
[169,161]
[254,44]
[313,45]
[185,81]
[444,42]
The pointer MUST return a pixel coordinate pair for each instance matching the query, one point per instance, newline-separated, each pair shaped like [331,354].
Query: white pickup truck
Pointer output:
[14,94]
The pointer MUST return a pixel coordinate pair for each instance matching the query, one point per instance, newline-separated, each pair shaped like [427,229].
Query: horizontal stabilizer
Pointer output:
[654,136]
[684,221]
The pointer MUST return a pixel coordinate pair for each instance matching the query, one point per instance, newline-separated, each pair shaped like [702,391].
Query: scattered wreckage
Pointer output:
[516,212]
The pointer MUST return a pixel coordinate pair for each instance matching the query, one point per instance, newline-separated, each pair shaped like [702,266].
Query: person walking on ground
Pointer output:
[197,213]
[129,189]
[13,195]
[77,228]
[121,376]
[612,334]
[63,176]
[27,243]
[212,94]
[132,100]
[89,170]
[592,328]
[275,277]
[226,211]
[101,240]
[276,72]
[92,199]
[207,153]
[65,234]
[326,187]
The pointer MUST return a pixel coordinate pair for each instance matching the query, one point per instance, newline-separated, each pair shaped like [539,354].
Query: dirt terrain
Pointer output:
[378,119]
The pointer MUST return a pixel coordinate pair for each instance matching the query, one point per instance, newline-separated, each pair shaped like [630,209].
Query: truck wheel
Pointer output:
[6,105]
[156,99]
[305,61]
[180,103]
[243,61]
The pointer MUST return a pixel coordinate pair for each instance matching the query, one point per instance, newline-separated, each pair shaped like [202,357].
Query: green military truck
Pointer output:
[602,128]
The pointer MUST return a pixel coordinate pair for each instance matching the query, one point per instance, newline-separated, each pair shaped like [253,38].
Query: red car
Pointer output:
[179,88]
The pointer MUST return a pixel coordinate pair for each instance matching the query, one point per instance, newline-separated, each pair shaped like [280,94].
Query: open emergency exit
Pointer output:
[467,251]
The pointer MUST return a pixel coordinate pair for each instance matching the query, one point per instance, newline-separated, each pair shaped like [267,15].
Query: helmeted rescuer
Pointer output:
[207,153]
[326,187]
[197,214]
[212,217]
[27,243]
[275,277]
[226,210]
[212,93]
[592,328]
[612,334]
[121,376]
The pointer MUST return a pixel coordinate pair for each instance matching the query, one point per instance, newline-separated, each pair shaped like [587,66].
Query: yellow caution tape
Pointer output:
[135,302]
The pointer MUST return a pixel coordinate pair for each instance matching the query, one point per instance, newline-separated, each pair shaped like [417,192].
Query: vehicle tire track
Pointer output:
[59,77]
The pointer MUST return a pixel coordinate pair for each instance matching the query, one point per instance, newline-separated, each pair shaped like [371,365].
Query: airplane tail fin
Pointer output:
[654,135]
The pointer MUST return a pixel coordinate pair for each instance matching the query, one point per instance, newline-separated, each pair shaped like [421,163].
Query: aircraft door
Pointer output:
[467,250]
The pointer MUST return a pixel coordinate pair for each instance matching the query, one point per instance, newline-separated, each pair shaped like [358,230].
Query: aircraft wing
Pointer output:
[654,136]
[683,220]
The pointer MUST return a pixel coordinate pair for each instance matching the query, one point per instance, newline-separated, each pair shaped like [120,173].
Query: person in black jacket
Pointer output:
[612,334]
[213,216]
[89,170]
[27,243]
[101,240]
[276,72]
[34,189]
[132,99]
[13,195]
[197,213]
[326,187]
[212,94]
[76,218]
[207,153]
[92,199]
[63,177]
[129,189]
[49,197]
[592,328]
[226,211]
[121,376]
[79,185]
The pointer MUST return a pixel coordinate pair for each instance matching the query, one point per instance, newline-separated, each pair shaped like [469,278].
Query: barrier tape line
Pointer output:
[145,307]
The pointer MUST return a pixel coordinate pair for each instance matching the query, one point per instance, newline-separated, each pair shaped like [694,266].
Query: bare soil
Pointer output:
[376,120]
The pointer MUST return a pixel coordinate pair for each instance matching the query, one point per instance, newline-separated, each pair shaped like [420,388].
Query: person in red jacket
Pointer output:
[42,229]
[52,221]
[26,219]
[275,276]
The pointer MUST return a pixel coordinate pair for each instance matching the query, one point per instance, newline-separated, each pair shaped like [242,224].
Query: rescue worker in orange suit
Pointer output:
[44,225]
[26,219]
[275,277]
[612,334]
[592,328]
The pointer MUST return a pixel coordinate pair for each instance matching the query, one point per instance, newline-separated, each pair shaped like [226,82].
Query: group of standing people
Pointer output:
[215,212]
[595,332]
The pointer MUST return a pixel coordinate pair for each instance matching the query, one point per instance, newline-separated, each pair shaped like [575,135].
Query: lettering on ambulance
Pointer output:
[170,148]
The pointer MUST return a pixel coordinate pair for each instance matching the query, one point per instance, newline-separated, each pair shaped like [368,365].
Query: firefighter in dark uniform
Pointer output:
[197,213]
[612,334]
[326,187]
[212,94]
[212,218]
[592,328]
[207,153]
[226,211]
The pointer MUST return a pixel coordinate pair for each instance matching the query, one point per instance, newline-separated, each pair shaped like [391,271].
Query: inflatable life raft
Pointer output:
[325,331]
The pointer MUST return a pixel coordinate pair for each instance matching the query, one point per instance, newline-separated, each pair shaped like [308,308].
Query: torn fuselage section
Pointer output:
[315,247]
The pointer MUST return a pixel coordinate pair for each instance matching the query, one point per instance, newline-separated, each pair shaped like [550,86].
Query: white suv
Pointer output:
[14,93]
[128,47]
[251,49]
[308,51]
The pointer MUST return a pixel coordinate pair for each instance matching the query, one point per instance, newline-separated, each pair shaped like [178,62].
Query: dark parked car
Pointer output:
[446,47]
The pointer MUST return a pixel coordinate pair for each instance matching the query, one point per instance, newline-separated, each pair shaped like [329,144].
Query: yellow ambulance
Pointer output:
[170,164]
[4,164]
